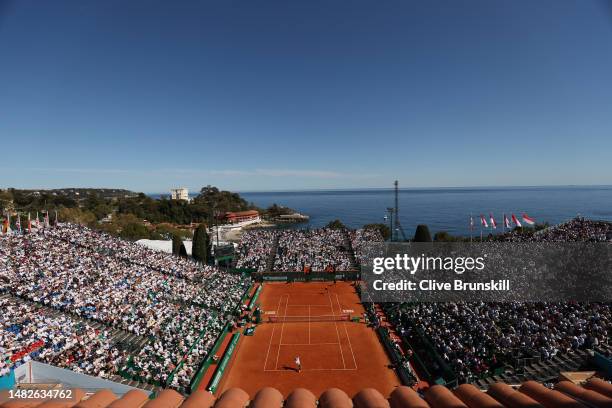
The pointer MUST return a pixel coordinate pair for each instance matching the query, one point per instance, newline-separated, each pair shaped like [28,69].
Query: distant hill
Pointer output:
[80,193]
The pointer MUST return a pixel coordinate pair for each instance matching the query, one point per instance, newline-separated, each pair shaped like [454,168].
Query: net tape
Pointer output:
[300,319]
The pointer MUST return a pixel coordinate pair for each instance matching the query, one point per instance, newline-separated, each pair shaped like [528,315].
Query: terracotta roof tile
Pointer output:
[77,395]
[590,397]
[100,399]
[547,397]
[511,398]
[439,396]
[474,398]
[596,393]
[600,386]
[335,398]
[199,399]
[166,399]
[267,398]
[370,398]
[406,397]
[233,398]
[131,399]
[301,398]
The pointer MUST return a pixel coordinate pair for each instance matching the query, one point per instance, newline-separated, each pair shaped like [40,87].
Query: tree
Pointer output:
[102,210]
[211,201]
[422,234]
[134,231]
[183,250]
[77,216]
[382,228]
[176,245]
[335,224]
[444,236]
[201,244]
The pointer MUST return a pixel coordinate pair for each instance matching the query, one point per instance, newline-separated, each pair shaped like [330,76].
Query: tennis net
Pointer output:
[306,319]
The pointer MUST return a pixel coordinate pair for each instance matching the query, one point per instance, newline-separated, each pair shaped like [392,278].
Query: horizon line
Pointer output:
[401,188]
[321,189]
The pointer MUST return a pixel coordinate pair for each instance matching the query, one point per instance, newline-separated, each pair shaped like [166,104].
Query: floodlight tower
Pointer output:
[390,219]
[398,228]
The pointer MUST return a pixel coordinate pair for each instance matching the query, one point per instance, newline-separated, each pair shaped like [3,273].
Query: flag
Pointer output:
[37,220]
[516,221]
[483,221]
[471,223]
[18,223]
[29,223]
[7,224]
[528,219]
[493,223]
[47,219]
[506,221]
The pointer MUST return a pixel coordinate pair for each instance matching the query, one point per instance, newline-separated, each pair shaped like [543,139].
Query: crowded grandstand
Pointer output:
[68,293]
[173,306]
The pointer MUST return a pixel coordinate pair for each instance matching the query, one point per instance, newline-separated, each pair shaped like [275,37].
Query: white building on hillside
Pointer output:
[180,193]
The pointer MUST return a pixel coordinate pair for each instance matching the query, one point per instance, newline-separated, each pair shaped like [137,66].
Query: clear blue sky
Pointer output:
[260,95]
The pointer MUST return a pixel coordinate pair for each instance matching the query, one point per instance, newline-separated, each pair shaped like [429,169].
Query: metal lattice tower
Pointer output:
[398,228]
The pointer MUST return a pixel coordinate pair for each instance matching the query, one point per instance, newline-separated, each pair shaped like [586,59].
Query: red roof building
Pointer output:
[242,216]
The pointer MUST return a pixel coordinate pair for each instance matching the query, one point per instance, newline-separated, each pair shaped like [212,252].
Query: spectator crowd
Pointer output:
[474,338]
[577,229]
[175,303]
[180,307]
[57,340]
[255,248]
[322,249]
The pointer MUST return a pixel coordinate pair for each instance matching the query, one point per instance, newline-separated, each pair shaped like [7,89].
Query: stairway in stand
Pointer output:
[349,245]
[403,347]
[272,256]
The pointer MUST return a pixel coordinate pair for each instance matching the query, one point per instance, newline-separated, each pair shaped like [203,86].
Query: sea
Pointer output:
[442,209]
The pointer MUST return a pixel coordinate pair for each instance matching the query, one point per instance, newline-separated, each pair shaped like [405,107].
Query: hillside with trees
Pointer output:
[125,213]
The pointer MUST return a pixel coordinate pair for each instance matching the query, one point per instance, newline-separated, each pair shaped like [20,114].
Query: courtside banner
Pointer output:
[488,272]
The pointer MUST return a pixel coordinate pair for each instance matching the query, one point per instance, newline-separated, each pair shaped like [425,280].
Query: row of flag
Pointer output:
[36,223]
[508,222]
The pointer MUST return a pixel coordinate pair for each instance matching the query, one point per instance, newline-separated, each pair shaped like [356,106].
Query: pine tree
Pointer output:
[422,234]
[183,250]
[176,244]
[201,244]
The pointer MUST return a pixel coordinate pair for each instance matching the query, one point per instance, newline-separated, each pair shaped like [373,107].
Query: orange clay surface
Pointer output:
[339,354]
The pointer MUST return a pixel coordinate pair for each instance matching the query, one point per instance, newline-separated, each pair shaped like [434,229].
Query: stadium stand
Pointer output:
[111,308]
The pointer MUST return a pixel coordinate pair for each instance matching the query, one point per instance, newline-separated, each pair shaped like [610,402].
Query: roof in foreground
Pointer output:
[595,393]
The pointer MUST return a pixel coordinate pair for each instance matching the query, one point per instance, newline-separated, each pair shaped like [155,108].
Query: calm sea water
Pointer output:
[443,209]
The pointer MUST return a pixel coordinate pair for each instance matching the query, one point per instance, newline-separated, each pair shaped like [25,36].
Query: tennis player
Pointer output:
[298,364]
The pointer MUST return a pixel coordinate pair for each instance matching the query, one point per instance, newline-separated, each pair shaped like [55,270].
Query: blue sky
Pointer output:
[269,95]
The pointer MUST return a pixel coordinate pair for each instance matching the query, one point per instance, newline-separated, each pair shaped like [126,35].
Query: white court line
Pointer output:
[309,344]
[281,336]
[313,369]
[272,337]
[337,331]
[347,335]
[308,324]
[296,305]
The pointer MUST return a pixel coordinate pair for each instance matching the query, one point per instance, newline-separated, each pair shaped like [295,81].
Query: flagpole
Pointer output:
[471,227]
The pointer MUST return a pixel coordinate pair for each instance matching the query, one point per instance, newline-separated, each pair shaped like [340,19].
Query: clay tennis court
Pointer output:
[311,322]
